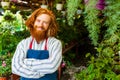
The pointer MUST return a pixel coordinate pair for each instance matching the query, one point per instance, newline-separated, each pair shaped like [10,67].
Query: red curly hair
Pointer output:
[53,27]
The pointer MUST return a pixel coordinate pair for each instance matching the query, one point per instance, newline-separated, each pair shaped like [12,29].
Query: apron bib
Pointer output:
[40,54]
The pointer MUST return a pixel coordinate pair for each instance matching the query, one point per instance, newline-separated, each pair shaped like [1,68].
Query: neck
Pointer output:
[38,41]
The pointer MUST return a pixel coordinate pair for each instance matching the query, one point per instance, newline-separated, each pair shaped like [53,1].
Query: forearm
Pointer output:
[21,69]
[45,66]
[48,68]
[49,65]
[25,73]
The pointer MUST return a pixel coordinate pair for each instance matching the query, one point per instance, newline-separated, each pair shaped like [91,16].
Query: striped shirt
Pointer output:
[35,68]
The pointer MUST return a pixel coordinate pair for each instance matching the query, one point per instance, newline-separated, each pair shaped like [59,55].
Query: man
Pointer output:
[39,56]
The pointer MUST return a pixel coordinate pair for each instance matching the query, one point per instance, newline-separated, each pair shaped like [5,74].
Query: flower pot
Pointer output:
[5,4]
[59,6]
[15,77]
[3,78]
[44,6]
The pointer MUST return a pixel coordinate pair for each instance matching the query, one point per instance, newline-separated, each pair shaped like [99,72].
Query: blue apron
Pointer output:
[40,54]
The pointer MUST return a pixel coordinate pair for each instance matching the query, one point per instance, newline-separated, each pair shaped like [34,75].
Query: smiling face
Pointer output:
[42,22]
[40,27]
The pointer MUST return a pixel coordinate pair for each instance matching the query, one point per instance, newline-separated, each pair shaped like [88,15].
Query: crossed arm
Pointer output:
[34,68]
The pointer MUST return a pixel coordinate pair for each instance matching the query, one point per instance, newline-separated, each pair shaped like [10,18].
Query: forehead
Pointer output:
[44,17]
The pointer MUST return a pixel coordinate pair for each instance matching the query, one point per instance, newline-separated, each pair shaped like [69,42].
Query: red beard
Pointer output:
[38,35]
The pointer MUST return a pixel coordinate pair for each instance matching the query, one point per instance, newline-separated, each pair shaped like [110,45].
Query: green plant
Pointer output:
[65,29]
[11,32]
[8,43]
[6,0]
[11,22]
[57,1]
[99,68]
[92,21]
[104,65]
[5,64]
[72,6]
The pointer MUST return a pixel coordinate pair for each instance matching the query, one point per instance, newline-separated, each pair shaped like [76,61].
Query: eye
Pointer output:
[45,22]
[37,20]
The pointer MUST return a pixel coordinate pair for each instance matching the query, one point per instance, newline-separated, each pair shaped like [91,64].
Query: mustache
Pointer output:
[39,27]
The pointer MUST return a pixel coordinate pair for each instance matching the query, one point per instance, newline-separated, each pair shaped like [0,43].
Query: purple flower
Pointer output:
[14,1]
[86,1]
[3,63]
[63,64]
[100,4]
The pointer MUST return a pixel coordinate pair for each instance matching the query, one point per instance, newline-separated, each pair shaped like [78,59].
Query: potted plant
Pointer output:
[10,25]
[72,6]
[5,65]
[59,6]
[11,22]
[5,4]
[44,4]
[11,32]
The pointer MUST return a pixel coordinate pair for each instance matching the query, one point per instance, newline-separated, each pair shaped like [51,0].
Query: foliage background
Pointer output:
[103,27]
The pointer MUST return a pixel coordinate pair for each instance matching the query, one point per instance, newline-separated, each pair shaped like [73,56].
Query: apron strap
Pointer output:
[45,48]
[30,46]
[46,44]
